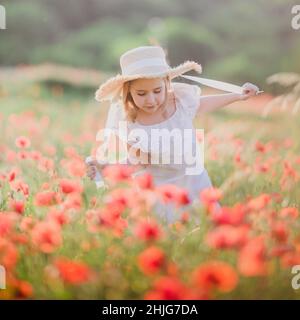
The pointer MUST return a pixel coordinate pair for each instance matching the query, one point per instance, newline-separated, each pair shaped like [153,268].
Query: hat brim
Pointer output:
[111,89]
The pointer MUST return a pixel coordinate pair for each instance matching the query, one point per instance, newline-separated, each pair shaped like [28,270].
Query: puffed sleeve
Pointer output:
[189,96]
[112,129]
[114,116]
[116,122]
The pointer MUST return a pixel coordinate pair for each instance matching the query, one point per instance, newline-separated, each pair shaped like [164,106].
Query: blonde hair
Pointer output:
[131,110]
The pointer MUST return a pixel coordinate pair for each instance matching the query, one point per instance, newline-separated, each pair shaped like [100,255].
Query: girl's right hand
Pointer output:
[92,167]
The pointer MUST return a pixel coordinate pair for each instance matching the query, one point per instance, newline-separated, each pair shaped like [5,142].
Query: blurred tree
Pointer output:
[28,26]
[236,40]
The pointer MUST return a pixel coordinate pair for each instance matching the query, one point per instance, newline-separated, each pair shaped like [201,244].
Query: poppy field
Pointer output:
[61,238]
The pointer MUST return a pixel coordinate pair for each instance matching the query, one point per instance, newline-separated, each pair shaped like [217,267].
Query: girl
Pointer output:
[152,106]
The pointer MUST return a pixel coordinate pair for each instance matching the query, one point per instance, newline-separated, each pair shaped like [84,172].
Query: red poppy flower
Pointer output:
[279,231]
[168,288]
[22,142]
[12,175]
[280,250]
[118,172]
[107,217]
[151,260]
[119,197]
[45,198]
[185,216]
[23,289]
[260,147]
[17,206]
[23,155]
[289,171]
[46,236]
[216,275]
[290,259]
[226,215]
[76,167]
[27,223]
[289,212]
[70,186]
[147,230]
[209,196]
[20,186]
[61,217]
[226,236]
[7,222]
[35,155]
[259,202]
[72,201]
[145,181]
[172,193]
[252,258]
[8,254]
[73,272]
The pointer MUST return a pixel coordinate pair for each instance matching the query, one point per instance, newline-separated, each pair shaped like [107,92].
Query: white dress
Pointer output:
[191,176]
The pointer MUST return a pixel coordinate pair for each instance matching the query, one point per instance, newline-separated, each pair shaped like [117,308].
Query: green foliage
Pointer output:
[91,47]
[239,41]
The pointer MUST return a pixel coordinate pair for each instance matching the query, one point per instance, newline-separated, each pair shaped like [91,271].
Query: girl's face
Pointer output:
[148,94]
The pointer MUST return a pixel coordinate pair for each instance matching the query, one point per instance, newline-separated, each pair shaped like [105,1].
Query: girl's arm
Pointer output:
[214,102]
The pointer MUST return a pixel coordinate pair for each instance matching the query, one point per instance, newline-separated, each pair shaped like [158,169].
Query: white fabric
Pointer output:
[187,98]
[133,68]
[225,86]
[168,213]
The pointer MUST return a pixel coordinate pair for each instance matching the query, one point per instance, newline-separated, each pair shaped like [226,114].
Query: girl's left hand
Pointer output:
[250,90]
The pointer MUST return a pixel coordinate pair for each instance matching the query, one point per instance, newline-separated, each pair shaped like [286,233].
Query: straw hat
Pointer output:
[142,62]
